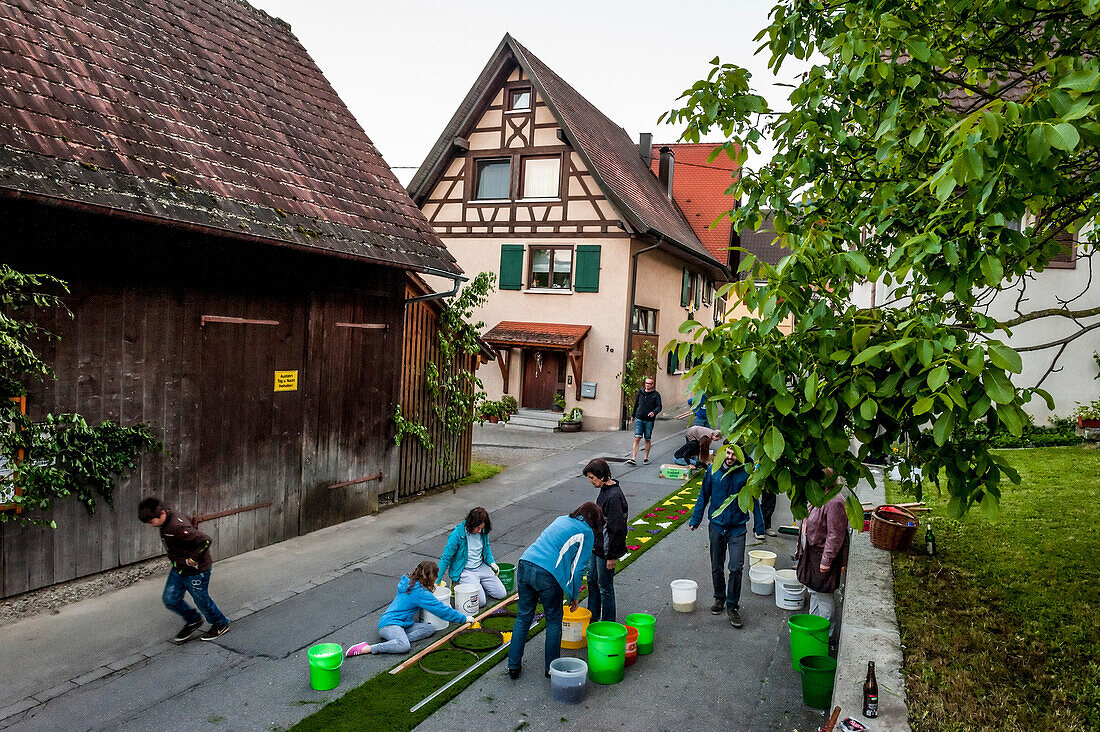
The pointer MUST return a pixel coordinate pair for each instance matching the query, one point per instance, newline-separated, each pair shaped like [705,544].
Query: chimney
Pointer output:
[664,169]
[645,147]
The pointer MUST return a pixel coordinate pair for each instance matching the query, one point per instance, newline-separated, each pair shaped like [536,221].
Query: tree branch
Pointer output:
[1051,312]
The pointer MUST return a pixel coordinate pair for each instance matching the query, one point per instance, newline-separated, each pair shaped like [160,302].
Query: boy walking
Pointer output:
[188,550]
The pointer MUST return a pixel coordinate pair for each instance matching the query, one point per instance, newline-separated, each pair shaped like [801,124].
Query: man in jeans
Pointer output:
[188,550]
[647,405]
[727,531]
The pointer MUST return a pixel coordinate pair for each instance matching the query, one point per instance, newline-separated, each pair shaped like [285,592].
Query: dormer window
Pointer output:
[519,100]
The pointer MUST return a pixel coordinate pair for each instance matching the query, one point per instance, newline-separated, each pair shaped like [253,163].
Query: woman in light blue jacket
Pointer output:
[468,559]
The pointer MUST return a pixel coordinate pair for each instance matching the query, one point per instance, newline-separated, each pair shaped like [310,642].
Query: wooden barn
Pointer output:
[239,256]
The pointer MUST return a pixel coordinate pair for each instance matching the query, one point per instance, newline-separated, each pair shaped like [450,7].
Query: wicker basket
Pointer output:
[889,532]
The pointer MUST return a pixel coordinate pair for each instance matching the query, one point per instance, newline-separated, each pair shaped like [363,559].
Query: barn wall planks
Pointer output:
[136,349]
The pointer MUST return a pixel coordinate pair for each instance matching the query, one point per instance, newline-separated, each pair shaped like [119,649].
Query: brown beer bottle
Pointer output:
[870,692]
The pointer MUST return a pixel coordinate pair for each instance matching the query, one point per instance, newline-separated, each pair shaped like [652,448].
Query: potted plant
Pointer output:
[571,422]
[489,410]
[509,405]
[1088,415]
[559,402]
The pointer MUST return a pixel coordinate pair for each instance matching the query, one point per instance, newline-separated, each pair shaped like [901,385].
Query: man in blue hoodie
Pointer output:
[549,571]
[727,531]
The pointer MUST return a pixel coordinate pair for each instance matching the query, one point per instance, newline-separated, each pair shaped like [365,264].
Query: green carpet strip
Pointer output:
[384,701]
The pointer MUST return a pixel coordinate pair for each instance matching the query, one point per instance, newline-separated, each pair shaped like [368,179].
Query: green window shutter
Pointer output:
[511,267]
[587,277]
[698,292]
[685,290]
[673,363]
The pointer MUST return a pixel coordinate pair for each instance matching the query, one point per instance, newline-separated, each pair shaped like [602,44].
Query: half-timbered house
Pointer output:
[238,255]
[531,181]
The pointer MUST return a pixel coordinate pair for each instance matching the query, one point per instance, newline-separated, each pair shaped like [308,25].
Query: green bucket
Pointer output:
[646,625]
[818,674]
[325,660]
[606,652]
[507,576]
[809,637]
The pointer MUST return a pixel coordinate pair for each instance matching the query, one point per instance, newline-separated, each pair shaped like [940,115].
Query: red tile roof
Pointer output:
[552,335]
[699,189]
[204,113]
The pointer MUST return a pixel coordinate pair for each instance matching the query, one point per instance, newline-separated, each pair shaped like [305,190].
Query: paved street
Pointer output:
[103,664]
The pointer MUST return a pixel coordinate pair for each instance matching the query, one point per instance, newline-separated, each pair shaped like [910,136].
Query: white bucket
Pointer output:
[762,579]
[761,556]
[443,594]
[683,595]
[466,599]
[788,590]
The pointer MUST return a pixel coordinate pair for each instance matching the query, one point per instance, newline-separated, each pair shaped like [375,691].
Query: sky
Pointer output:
[403,66]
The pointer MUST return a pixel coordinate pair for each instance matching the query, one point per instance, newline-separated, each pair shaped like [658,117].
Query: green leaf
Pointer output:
[990,506]
[998,386]
[854,511]
[922,405]
[1082,80]
[1062,136]
[748,365]
[1005,358]
[943,427]
[774,443]
[810,388]
[784,403]
[938,377]
[1011,419]
[688,325]
[992,270]
[868,409]
[868,354]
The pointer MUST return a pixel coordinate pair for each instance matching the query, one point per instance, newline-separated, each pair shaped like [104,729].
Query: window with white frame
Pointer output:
[644,321]
[551,268]
[493,177]
[540,177]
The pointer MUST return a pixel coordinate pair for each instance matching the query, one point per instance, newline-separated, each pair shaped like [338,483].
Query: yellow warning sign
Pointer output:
[286,381]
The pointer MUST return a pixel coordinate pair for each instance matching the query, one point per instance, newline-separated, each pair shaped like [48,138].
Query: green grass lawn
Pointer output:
[480,471]
[1001,629]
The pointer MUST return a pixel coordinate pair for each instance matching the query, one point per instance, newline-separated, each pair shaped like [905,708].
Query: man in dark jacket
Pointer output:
[727,531]
[188,550]
[609,547]
[647,405]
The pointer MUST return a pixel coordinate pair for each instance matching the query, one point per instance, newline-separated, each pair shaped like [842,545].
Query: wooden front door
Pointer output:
[543,376]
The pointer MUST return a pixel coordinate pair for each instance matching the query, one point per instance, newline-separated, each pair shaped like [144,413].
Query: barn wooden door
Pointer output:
[354,358]
[249,434]
[543,375]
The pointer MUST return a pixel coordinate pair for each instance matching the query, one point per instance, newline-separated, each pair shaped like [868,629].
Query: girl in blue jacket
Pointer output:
[468,559]
[551,570]
[398,626]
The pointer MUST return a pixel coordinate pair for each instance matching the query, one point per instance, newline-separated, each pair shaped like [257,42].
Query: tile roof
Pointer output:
[553,335]
[200,113]
[763,244]
[699,189]
[608,151]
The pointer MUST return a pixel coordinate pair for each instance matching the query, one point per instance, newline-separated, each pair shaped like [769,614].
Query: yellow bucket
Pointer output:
[574,626]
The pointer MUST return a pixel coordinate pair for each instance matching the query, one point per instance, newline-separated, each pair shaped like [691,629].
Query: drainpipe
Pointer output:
[630,316]
[457,279]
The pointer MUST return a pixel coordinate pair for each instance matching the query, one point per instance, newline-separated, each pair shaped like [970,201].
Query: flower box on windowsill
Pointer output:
[1088,423]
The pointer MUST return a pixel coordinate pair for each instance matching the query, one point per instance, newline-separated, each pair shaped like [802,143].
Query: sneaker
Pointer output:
[717,607]
[359,649]
[771,532]
[759,537]
[631,461]
[216,631]
[513,673]
[645,461]
[187,632]
[735,618]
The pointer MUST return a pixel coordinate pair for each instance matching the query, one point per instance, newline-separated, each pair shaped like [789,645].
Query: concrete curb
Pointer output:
[869,630]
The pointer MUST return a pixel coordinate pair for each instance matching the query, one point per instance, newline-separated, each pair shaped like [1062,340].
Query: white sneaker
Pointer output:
[771,532]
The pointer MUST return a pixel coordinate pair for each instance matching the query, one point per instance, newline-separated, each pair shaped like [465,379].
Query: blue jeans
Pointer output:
[643,428]
[396,639]
[198,586]
[601,589]
[535,584]
[721,543]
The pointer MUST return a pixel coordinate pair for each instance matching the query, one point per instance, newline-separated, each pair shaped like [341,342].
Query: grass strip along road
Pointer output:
[1001,629]
[384,701]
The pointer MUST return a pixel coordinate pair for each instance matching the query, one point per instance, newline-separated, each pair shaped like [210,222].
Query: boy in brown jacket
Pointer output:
[188,550]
